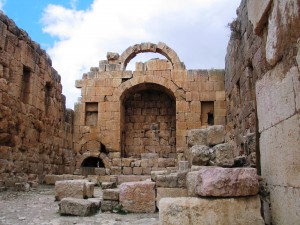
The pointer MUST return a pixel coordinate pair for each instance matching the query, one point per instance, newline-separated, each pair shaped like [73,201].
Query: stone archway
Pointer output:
[148,121]
[160,48]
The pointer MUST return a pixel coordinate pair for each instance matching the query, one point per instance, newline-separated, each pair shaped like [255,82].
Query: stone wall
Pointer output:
[35,127]
[148,110]
[262,90]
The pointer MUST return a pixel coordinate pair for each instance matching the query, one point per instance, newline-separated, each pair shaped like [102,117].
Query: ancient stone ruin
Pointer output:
[216,146]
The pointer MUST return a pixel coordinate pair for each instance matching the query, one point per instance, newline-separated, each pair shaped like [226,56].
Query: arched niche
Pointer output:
[160,48]
[148,121]
[92,162]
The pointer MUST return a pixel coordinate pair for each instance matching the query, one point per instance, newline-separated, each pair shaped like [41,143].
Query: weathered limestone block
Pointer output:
[50,179]
[285,204]
[227,182]
[258,13]
[112,56]
[215,135]
[77,207]
[130,178]
[89,189]
[166,162]
[222,155]
[280,158]
[183,166]
[100,171]
[138,197]
[283,16]
[171,193]
[275,97]
[96,201]
[127,171]
[21,186]
[126,162]
[197,137]
[73,188]
[94,179]
[233,211]
[168,180]
[137,170]
[191,181]
[199,155]
[108,205]
[149,156]
[154,174]
[181,179]
[108,185]
[111,194]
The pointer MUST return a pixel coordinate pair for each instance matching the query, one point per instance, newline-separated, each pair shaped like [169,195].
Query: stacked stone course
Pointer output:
[147,111]
[262,92]
[35,127]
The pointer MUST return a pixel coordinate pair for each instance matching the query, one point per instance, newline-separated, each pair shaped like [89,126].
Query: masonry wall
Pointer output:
[148,110]
[35,127]
[262,91]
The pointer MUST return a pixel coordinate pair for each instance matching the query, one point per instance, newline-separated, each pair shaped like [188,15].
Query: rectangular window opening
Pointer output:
[48,88]
[207,113]
[25,86]
[91,114]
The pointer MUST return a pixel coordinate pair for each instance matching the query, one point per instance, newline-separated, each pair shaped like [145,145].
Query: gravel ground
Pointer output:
[37,207]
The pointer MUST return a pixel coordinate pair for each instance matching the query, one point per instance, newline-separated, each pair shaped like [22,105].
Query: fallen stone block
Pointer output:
[171,193]
[77,207]
[233,211]
[222,155]
[181,179]
[94,179]
[169,180]
[73,188]
[197,137]
[108,205]
[24,186]
[111,194]
[158,172]
[50,179]
[215,135]
[227,182]
[108,185]
[130,178]
[89,188]
[183,166]
[191,181]
[199,155]
[138,197]
[97,201]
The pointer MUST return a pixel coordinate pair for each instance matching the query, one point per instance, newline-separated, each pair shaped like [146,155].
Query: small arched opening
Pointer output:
[89,164]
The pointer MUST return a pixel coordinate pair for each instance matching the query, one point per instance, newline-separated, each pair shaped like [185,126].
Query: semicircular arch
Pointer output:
[160,48]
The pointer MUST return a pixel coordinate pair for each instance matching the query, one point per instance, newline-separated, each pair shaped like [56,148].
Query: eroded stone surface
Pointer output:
[215,135]
[171,193]
[227,182]
[73,188]
[199,155]
[77,207]
[233,211]
[138,197]
[258,13]
[222,155]
[197,137]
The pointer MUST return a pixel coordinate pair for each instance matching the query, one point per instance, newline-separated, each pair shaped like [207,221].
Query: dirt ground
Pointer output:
[37,207]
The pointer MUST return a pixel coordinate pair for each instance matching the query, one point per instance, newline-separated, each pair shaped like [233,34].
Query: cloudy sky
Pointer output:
[79,33]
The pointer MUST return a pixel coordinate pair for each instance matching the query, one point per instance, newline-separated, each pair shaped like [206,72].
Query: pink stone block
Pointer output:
[227,182]
[138,197]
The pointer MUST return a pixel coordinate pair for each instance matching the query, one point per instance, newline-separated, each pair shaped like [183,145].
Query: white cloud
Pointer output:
[2,2]
[195,29]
